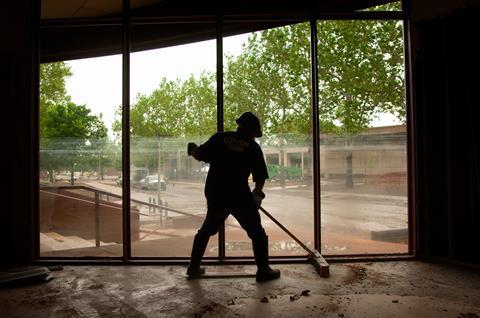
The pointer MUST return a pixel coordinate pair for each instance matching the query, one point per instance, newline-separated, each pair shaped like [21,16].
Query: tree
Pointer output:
[199,105]
[52,87]
[360,77]
[70,135]
[272,77]
[173,109]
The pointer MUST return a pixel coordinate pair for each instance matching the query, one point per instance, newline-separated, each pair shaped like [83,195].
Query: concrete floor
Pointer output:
[394,289]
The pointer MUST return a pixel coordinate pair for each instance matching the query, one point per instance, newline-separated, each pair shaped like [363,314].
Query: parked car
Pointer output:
[151,183]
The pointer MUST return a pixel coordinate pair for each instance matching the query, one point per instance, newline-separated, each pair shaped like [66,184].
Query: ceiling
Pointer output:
[62,9]
[65,36]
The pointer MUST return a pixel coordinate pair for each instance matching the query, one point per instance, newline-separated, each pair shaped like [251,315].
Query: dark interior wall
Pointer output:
[429,9]
[17,83]
[446,74]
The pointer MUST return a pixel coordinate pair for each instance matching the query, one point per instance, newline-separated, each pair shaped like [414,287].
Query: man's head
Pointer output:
[249,123]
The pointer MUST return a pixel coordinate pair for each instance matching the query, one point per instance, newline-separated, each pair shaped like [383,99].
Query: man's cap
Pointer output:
[251,122]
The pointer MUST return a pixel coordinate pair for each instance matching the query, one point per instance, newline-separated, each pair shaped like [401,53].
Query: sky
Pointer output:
[97,82]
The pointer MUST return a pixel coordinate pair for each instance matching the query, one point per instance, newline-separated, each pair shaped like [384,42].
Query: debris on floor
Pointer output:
[305,292]
[54,268]
[357,274]
[19,276]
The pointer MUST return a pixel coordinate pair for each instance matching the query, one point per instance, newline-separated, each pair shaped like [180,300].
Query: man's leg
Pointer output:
[215,216]
[249,219]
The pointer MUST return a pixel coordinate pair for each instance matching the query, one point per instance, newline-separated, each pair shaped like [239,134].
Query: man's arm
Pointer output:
[204,152]
[192,149]
[259,174]
[259,185]
[257,192]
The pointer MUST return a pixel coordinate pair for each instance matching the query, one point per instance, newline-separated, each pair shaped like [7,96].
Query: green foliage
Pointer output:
[52,87]
[291,173]
[52,82]
[360,72]
[360,76]
[174,108]
[199,101]
[392,6]
[71,138]
[271,76]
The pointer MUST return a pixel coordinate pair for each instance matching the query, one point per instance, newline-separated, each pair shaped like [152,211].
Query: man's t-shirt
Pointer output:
[232,157]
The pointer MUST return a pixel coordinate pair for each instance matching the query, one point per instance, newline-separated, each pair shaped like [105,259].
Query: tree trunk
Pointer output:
[159,170]
[72,176]
[281,166]
[99,168]
[349,169]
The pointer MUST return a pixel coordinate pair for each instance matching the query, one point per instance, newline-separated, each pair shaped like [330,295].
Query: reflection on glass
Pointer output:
[173,103]
[268,72]
[392,6]
[363,160]
[80,159]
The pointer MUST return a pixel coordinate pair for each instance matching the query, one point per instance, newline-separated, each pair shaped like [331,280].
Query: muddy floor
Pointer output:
[389,289]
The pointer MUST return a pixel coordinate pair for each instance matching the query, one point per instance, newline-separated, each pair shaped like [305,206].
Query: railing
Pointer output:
[98,204]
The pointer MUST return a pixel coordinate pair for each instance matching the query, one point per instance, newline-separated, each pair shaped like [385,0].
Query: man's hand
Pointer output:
[258,197]
[191,148]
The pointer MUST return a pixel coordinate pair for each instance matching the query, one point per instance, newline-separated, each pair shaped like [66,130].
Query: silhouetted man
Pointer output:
[233,156]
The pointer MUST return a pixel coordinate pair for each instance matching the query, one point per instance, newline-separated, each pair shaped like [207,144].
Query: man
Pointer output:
[233,156]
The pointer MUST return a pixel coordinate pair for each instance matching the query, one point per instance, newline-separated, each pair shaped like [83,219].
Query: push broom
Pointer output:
[314,256]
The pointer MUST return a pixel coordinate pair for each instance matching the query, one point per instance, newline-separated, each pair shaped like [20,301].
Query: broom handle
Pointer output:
[287,231]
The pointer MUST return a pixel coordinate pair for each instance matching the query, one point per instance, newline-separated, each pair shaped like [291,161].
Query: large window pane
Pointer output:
[173,92]
[268,72]
[80,155]
[363,137]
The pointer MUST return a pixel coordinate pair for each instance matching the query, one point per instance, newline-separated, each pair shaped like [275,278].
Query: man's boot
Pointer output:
[198,249]
[260,251]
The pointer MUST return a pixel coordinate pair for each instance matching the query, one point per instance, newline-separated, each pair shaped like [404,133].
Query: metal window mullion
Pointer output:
[411,136]
[35,132]
[315,134]
[126,130]
[219,46]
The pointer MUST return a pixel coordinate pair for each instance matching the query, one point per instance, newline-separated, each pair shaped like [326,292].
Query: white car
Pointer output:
[151,183]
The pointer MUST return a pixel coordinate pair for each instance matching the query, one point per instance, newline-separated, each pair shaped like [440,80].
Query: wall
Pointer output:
[73,213]
[446,71]
[18,80]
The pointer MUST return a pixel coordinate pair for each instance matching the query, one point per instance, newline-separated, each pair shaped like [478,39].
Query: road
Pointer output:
[341,212]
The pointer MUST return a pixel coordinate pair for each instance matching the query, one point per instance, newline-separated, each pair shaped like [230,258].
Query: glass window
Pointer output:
[173,102]
[363,137]
[80,155]
[268,72]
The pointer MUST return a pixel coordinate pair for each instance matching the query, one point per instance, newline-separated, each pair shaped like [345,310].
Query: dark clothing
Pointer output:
[248,217]
[232,158]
